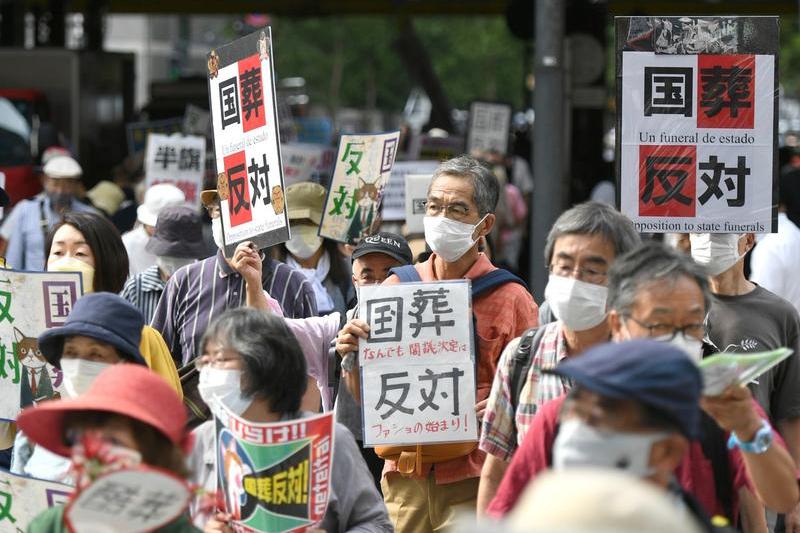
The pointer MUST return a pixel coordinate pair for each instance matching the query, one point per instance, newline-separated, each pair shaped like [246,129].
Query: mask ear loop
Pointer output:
[476,230]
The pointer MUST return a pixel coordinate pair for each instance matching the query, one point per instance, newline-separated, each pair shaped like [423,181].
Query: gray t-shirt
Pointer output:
[755,322]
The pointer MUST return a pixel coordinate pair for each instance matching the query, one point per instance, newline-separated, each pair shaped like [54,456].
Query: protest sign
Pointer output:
[179,160]
[3,185]
[697,101]
[416,199]
[417,367]
[489,127]
[30,303]
[307,162]
[133,500]
[196,121]
[363,165]
[22,498]
[394,195]
[137,132]
[724,369]
[440,148]
[275,477]
[241,88]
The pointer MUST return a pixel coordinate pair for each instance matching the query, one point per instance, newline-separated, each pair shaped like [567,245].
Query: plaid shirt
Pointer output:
[497,433]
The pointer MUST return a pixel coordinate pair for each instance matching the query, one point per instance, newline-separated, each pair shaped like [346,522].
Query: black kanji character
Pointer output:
[386,387]
[229,102]
[251,91]
[189,159]
[719,82]
[670,169]
[152,504]
[439,306]
[113,499]
[718,168]
[385,316]
[428,398]
[258,179]
[165,155]
[668,90]
[238,198]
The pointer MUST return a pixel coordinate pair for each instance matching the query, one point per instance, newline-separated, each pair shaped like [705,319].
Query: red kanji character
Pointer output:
[414,348]
[428,347]
[454,345]
[431,427]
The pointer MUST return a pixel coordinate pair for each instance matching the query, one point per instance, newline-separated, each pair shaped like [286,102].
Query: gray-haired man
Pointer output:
[580,248]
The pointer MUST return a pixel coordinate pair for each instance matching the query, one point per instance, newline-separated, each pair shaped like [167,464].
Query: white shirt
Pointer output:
[140,259]
[775,261]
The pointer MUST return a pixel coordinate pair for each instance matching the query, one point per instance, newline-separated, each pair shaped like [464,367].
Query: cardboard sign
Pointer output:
[30,303]
[416,199]
[394,195]
[137,132]
[179,160]
[23,498]
[275,477]
[133,500]
[418,365]
[363,166]
[489,127]
[241,86]
[698,118]
[307,162]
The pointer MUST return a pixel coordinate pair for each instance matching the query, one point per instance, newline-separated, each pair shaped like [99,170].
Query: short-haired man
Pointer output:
[460,208]
[660,293]
[580,248]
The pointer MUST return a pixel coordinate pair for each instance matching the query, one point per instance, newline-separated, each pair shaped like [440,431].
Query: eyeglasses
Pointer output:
[567,270]
[668,331]
[455,211]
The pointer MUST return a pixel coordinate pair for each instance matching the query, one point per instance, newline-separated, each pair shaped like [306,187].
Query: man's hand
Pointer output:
[480,409]
[733,411]
[218,524]
[247,262]
[347,339]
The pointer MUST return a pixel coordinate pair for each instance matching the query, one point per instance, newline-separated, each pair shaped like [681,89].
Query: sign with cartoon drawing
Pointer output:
[363,166]
[23,498]
[275,477]
[30,303]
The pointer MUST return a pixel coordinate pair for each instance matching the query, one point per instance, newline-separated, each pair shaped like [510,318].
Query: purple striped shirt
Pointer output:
[199,292]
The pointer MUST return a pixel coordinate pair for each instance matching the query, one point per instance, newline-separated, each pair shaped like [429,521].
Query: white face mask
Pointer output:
[71,264]
[716,252]
[304,242]
[222,386]
[168,265]
[449,238]
[690,345]
[216,232]
[580,445]
[79,374]
[579,305]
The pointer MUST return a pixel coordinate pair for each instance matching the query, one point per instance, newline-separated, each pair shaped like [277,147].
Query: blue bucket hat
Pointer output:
[103,316]
[653,373]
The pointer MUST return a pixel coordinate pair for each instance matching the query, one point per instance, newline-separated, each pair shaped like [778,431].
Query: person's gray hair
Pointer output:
[593,218]
[485,187]
[650,262]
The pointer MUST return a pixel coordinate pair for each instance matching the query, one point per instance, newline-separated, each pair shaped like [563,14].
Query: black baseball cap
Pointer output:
[387,243]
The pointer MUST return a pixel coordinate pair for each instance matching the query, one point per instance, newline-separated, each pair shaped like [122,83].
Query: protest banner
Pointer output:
[135,500]
[724,369]
[489,127]
[179,160]
[241,88]
[363,165]
[416,199]
[307,162]
[196,121]
[30,303]
[439,148]
[697,123]
[275,477]
[22,498]
[418,365]
[137,132]
[394,195]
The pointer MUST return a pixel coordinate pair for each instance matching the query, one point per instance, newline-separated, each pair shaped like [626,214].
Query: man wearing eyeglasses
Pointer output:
[580,248]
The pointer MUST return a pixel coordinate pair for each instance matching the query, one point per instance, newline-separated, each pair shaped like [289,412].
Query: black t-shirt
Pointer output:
[755,322]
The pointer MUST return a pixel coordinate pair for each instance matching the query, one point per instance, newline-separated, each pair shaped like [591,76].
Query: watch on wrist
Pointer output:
[761,442]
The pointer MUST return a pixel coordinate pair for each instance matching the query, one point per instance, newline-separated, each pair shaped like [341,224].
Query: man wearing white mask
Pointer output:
[156,198]
[747,318]
[580,248]
[460,206]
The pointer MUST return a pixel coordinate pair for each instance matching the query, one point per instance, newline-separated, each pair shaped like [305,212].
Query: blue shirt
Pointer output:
[26,245]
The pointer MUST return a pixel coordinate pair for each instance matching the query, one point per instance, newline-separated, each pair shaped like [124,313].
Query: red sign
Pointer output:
[667,180]
[251,88]
[238,189]
[726,89]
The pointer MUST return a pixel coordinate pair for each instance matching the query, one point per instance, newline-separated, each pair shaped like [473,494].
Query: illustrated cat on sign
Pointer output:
[367,197]
[35,384]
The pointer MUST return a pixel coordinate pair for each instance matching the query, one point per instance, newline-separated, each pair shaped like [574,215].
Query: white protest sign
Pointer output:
[3,185]
[179,160]
[696,143]
[241,87]
[489,127]
[417,367]
[363,165]
[394,195]
[307,162]
[23,498]
[416,197]
[128,501]
[30,303]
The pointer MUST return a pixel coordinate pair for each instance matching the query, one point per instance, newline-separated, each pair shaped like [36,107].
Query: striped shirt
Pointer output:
[199,292]
[144,290]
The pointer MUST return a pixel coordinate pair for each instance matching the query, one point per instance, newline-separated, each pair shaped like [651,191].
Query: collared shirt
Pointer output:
[144,290]
[199,292]
[499,421]
[26,245]
[500,316]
